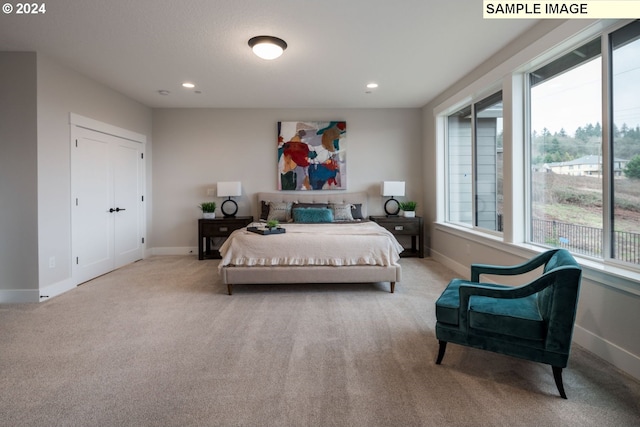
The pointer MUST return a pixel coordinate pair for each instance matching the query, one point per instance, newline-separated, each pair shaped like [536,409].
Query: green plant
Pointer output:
[208,206]
[632,170]
[408,206]
[273,223]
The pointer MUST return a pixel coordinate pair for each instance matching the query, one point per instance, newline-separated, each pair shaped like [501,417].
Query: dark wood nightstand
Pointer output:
[217,230]
[403,226]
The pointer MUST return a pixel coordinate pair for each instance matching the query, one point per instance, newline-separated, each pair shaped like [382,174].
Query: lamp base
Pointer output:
[392,212]
[231,214]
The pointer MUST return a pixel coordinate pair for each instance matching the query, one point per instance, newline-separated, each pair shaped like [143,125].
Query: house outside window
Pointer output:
[474,164]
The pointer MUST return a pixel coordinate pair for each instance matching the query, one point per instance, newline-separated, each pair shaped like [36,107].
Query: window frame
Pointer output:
[471,104]
[510,76]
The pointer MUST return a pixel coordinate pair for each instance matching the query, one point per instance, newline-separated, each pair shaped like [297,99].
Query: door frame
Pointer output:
[77,121]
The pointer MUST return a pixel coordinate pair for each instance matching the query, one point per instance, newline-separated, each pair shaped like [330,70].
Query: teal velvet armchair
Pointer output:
[533,321]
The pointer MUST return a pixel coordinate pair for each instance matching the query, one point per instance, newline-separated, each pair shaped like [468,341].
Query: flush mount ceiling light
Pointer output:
[188,85]
[267,47]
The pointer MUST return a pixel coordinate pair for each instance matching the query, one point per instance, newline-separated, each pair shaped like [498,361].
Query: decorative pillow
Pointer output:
[341,212]
[264,209]
[297,205]
[280,211]
[312,215]
[356,211]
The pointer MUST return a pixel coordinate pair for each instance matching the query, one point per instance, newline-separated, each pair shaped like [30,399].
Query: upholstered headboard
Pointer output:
[317,197]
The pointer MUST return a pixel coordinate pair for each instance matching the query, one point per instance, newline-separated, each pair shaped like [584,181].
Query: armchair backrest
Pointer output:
[558,302]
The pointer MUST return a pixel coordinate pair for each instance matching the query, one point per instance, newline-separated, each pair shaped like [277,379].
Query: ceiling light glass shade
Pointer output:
[267,47]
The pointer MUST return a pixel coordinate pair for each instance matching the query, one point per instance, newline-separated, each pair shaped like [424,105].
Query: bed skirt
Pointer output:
[232,275]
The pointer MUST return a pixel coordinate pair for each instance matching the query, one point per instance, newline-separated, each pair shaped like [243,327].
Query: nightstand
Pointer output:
[403,226]
[217,230]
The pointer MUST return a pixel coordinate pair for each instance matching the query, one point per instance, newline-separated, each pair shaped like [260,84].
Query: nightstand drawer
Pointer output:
[218,230]
[401,227]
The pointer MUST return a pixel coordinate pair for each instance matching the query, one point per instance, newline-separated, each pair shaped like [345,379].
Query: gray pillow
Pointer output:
[280,211]
[341,212]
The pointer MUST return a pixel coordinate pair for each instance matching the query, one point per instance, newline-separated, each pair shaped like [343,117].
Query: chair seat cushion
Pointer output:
[518,317]
[448,305]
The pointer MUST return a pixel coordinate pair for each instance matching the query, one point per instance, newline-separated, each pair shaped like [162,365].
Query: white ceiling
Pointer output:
[413,49]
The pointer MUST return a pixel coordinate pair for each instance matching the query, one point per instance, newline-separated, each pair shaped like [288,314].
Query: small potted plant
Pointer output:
[208,210]
[409,208]
[273,224]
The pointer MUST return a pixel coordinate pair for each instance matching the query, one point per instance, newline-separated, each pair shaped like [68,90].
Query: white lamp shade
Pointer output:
[229,189]
[393,188]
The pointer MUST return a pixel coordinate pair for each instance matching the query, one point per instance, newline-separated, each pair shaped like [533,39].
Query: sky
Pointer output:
[573,99]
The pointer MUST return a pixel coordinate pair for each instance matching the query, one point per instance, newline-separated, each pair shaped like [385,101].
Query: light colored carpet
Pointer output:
[160,343]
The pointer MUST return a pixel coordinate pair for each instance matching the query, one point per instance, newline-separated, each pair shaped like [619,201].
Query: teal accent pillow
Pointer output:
[312,215]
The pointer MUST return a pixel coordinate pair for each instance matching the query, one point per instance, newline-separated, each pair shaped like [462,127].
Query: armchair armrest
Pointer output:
[510,270]
[469,290]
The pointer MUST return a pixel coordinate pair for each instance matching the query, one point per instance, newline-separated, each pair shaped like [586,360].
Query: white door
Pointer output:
[106,186]
[127,168]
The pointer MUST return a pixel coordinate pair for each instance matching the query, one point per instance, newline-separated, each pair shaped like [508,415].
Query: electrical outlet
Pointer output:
[52,262]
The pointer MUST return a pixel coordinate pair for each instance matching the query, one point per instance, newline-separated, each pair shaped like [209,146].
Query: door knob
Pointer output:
[120,209]
[112,210]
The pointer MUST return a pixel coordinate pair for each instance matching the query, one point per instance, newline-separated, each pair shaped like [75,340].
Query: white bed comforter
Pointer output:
[333,244]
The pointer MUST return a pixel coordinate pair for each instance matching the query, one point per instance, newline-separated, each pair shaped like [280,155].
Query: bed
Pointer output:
[343,251]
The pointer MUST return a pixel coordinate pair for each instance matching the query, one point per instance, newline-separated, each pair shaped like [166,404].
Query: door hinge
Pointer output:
[76,143]
[77,261]
[143,198]
[143,240]
[142,155]
[76,201]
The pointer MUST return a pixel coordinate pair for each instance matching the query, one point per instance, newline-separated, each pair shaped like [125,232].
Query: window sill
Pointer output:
[608,275]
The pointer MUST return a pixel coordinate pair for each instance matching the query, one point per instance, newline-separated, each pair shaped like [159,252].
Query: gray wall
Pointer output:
[35,220]
[18,176]
[196,148]
[62,91]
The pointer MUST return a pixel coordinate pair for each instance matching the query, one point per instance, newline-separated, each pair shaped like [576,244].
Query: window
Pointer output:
[474,142]
[625,159]
[459,167]
[488,162]
[581,158]
[569,182]
[566,205]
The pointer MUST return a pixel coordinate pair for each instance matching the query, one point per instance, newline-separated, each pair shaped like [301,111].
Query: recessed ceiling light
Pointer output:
[372,85]
[164,92]
[267,47]
[188,85]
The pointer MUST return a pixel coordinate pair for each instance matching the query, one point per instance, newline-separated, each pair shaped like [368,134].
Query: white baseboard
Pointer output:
[56,289]
[461,270]
[184,250]
[19,296]
[617,356]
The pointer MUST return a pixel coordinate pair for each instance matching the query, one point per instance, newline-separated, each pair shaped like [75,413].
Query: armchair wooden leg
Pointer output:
[392,286]
[230,288]
[441,350]
[557,376]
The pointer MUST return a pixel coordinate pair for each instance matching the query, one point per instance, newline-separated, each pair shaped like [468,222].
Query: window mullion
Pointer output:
[607,144]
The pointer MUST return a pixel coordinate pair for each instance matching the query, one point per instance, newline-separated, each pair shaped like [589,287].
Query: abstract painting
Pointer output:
[312,155]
